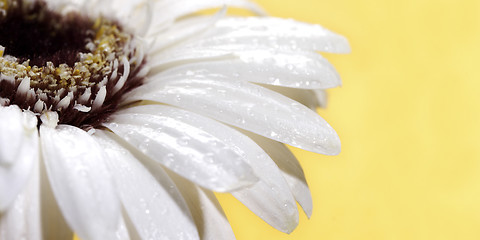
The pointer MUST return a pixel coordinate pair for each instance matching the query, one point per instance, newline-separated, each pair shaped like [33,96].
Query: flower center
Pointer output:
[30,34]
[67,63]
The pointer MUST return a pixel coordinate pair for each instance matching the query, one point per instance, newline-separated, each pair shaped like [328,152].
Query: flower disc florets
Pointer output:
[65,62]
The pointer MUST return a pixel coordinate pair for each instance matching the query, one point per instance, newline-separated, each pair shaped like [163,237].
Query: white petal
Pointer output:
[321,96]
[180,8]
[15,127]
[263,200]
[288,69]
[154,206]
[275,33]
[272,199]
[184,56]
[54,225]
[22,219]
[166,135]
[247,106]
[310,98]
[122,231]
[184,30]
[211,221]
[18,151]
[80,181]
[291,169]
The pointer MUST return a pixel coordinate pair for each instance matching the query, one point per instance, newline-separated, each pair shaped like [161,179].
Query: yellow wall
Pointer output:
[408,115]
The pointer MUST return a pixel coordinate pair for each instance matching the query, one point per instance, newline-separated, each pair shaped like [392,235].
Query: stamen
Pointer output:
[24,86]
[100,98]
[123,79]
[85,96]
[39,106]
[65,102]
[49,119]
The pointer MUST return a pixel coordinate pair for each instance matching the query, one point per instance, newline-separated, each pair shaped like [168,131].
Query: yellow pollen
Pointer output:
[4,5]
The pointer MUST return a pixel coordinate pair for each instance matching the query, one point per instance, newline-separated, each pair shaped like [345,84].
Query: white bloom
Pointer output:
[118,119]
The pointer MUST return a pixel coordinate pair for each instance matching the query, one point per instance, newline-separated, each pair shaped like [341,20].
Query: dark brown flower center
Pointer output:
[67,63]
[34,33]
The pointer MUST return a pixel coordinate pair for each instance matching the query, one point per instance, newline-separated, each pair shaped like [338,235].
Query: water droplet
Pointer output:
[169,159]
[240,121]
[144,146]
[209,158]
[183,141]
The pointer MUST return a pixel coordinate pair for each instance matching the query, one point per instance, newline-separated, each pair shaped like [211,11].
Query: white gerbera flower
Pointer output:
[119,119]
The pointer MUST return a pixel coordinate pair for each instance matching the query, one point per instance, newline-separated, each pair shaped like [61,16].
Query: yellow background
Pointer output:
[408,115]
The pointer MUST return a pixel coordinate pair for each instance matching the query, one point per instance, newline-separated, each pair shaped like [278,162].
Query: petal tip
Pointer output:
[291,225]
[345,45]
[329,146]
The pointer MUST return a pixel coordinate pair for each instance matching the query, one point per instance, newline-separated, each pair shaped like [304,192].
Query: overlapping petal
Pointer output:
[270,198]
[168,136]
[19,151]
[180,8]
[246,106]
[288,69]
[54,225]
[211,222]
[272,33]
[184,30]
[291,170]
[150,198]
[22,220]
[80,181]
[312,99]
